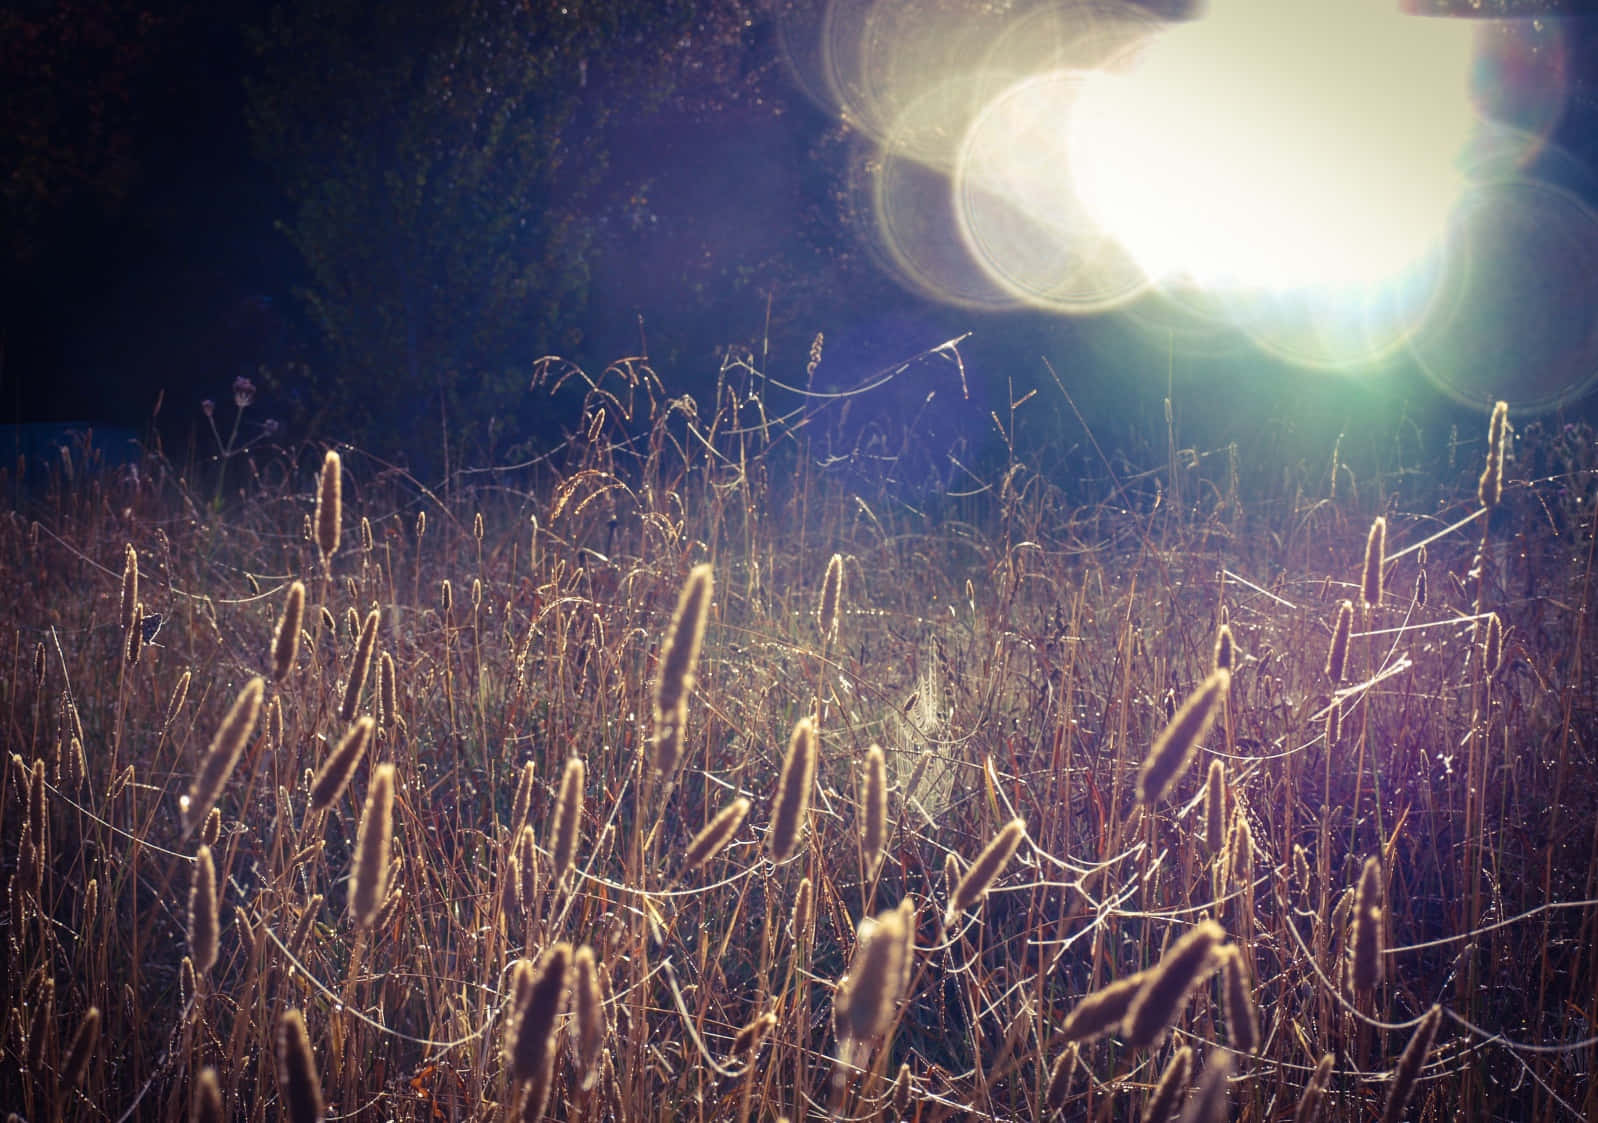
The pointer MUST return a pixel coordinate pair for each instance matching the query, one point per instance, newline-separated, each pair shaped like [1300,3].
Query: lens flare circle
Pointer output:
[1515,319]
[1018,215]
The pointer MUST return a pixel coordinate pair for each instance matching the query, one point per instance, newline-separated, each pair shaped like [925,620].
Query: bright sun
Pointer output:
[1278,144]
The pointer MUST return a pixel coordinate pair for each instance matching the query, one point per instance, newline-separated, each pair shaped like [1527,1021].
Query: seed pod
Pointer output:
[1160,999]
[716,834]
[223,755]
[203,925]
[297,1081]
[985,870]
[521,806]
[286,640]
[874,808]
[793,791]
[1168,1091]
[1367,940]
[568,819]
[329,506]
[1174,747]
[369,877]
[1370,585]
[1337,654]
[1410,1064]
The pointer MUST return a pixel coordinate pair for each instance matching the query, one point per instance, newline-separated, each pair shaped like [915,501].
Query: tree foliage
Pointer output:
[442,162]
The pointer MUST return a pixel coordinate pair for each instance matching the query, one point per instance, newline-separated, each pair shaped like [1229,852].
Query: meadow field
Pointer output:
[714,765]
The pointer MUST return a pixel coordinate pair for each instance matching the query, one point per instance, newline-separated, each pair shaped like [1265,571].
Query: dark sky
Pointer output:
[173,278]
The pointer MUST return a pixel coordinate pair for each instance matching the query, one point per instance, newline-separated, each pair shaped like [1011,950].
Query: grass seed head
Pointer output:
[1170,1087]
[81,1051]
[1242,1020]
[568,819]
[1225,649]
[1309,1103]
[360,666]
[1337,654]
[369,877]
[831,598]
[205,1105]
[589,1003]
[863,1007]
[521,807]
[1060,1073]
[541,996]
[1098,1013]
[286,640]
[1490,488]
[1174,747]
[1367,939]
[989,864]
[1209,1102]
[1159,1001]
[387,691]
[128,612]
[298,1084]
[1409,1065]
[794,785]
[748,1039]
[223,755]
[334,775]
[329,506]
[874,807]
[203,925]
[680,658]
[1492,646]
[803,906]
[716,834]
[1370,584]
[1215,808]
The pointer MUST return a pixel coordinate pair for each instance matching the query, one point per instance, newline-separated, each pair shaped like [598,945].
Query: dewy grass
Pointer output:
[1010,643]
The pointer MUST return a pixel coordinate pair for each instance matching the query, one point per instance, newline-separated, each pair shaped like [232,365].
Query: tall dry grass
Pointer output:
[480,888]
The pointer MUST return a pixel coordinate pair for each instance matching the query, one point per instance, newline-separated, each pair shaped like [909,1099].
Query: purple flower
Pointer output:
[208,407]
[243,391]
[269,426]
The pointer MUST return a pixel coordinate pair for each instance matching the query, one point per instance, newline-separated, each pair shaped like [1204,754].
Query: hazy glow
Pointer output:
[1279,143]
[1330,181]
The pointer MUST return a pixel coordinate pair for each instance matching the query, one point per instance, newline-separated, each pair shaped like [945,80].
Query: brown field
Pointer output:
[503,909]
